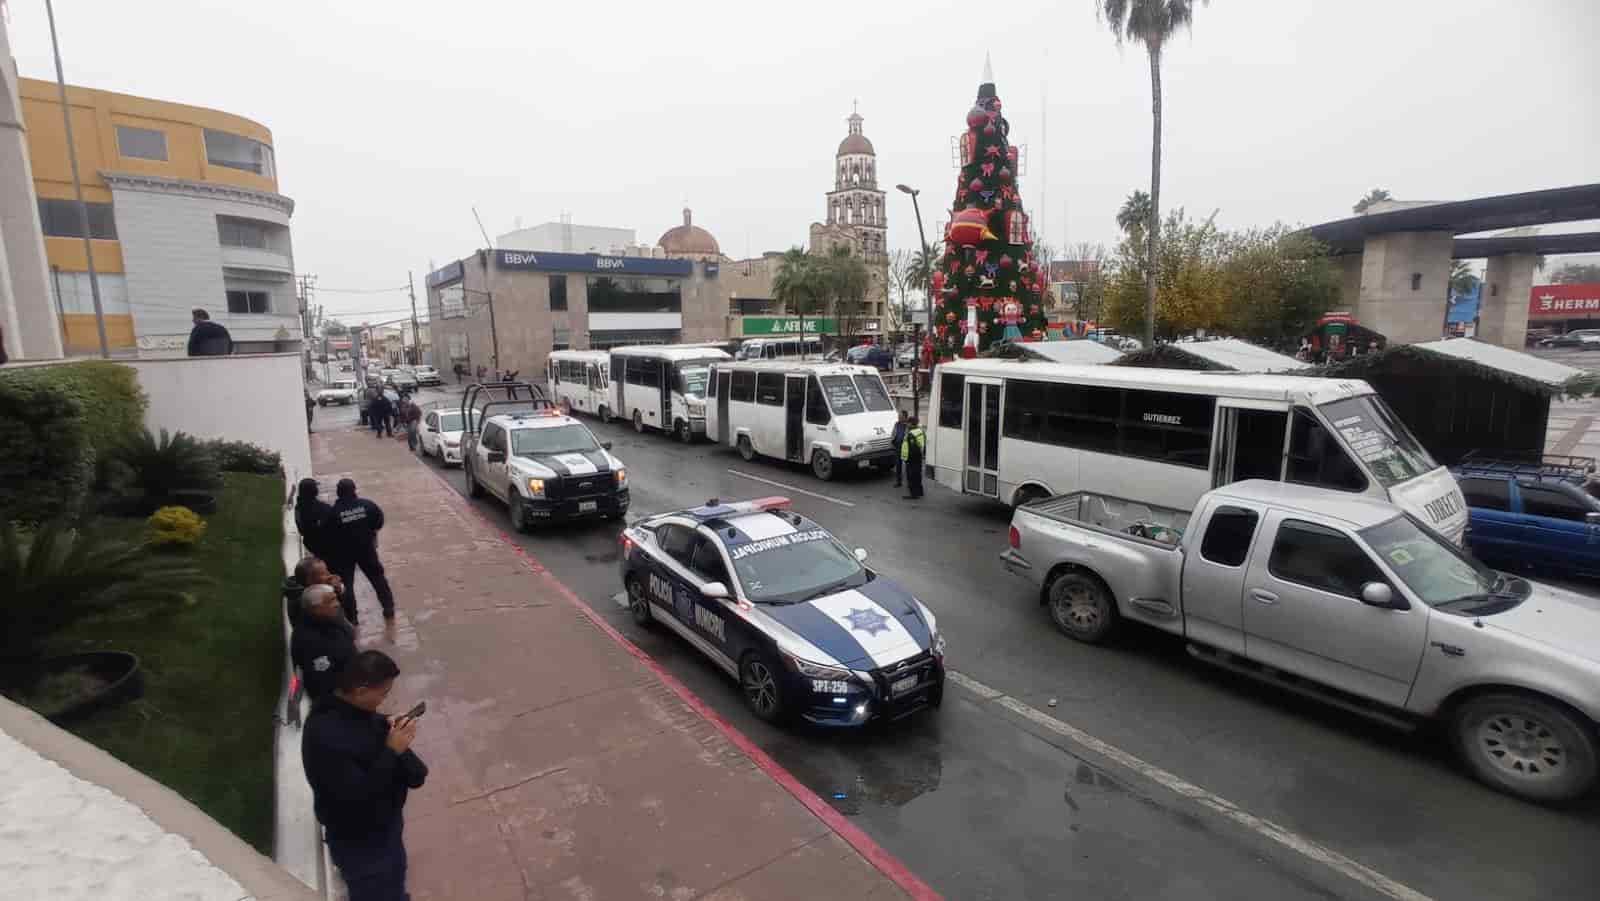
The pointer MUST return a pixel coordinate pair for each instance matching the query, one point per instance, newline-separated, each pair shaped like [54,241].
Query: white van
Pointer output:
[780,349]
[577,379]
[830,415]
[661,386]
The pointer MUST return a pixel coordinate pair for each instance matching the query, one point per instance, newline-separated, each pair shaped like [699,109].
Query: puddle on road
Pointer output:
[854,776]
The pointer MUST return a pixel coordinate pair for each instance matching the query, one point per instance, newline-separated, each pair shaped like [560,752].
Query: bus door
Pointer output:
[1249,441]
[981,473]
[619,378]
[724,387]
[794,417]
[669,384]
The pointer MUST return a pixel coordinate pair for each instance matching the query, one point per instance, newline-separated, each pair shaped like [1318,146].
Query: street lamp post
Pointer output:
[927,293]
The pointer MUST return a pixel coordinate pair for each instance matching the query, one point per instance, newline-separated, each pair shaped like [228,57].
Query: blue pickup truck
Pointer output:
[1535,517]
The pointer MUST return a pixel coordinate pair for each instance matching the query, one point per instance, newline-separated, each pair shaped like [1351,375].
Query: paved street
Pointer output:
[1158,785]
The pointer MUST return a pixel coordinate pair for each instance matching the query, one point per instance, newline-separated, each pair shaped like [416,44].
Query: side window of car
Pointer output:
[1550,501]
[491,437]
[676,541]
[1322,558]
[1227,540]
[1487,494]
[433,420]
[706,561]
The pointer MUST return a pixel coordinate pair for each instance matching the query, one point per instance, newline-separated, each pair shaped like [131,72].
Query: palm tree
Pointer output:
[846,279]
[1151,23]
[798,285]
[1135,213]
[1375,195]
[924,261]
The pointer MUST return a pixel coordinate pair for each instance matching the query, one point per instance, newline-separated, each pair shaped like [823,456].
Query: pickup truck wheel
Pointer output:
[1081,607]
[518,508]
[822,464]
[473,488]
[1526,746]
[746,449]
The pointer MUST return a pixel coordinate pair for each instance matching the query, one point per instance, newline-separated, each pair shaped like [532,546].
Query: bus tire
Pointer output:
[682,430]
[746,449]
[822,464]
[638,422]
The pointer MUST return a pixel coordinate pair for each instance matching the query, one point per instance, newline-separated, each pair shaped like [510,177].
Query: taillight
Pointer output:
[1015,539]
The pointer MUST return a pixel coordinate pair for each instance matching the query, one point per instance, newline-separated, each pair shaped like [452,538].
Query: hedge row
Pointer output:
[57,425]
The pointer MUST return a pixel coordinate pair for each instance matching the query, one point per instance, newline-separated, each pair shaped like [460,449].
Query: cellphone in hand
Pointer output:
[415,712]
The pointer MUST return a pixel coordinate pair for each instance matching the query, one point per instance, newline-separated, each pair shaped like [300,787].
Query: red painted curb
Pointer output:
[886,863]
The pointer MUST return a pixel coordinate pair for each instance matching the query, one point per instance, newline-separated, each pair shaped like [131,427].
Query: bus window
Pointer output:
[743,388]
[1317,458]
[769,389]
[816,404]
[950,386]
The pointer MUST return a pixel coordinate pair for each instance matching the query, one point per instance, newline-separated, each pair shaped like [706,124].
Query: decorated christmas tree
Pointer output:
[988,284]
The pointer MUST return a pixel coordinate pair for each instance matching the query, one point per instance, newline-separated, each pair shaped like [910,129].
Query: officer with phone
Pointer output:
[360,766]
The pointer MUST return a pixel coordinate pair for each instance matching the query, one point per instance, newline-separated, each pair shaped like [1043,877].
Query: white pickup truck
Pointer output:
[1343,598]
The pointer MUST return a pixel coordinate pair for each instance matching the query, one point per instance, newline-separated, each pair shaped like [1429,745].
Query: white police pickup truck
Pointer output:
[1343,598]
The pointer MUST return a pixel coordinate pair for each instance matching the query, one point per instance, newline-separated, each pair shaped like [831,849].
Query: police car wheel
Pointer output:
[758,680]
[746,449]
[519,512]
[638,602]
[473,488]
[822,464]
[638,422]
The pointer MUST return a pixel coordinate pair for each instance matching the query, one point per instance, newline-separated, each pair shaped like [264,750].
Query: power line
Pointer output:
[363,290]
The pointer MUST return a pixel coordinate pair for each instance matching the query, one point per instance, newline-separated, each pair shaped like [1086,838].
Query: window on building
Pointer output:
[634,294]
[605,339]
[558,292]
[238,152]
[249,302]
[234,232]
[141,143]
[59,219]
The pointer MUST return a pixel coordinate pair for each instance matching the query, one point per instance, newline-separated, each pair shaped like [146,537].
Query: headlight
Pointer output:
[816,670]
[621,477]
[536,487]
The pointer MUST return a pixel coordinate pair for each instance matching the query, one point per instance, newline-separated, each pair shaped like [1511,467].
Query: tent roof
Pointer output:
[1223,354]
[1510,361]
[1513,367]
[1079,350]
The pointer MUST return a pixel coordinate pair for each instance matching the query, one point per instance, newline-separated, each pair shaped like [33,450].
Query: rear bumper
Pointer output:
[1018,565]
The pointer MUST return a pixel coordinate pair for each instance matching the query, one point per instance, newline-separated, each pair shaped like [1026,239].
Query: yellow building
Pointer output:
[184,213]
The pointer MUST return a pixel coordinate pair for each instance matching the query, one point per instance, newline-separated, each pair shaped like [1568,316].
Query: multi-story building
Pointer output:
[565,237]
[184,213]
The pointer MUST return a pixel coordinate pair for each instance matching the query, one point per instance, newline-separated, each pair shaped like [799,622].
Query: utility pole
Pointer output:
[416,337]
[77,188]
[494,336]
[306,330]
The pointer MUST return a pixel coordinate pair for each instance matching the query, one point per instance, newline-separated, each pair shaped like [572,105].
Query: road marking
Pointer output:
[820,497]
[1335,861]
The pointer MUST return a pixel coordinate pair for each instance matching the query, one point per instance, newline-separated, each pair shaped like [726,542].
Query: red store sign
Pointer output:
[1564,301]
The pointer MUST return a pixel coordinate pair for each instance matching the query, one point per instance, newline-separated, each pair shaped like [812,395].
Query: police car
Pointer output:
[779,604]
[545,465]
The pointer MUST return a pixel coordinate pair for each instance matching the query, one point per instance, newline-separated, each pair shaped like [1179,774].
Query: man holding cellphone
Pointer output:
[360,766]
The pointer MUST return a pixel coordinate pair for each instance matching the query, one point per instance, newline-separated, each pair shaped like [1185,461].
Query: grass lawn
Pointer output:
[212,671]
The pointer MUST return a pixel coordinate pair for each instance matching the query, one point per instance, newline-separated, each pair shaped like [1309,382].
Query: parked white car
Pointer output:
[340,392]
[426,375]
[440,436]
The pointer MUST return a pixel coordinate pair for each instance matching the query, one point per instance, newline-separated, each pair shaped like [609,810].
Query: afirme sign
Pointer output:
[1564,301]
[589,262]
[445,274]
[779,325]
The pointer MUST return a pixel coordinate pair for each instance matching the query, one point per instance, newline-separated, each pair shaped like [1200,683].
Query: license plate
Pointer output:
[588,506]
[863,464]
[829,687]
[905,684]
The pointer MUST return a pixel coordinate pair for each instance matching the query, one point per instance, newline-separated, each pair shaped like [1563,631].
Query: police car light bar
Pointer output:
[717,509]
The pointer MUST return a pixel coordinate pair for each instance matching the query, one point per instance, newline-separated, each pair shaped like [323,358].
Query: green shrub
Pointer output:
[175,527]
[242,456]
[152,470]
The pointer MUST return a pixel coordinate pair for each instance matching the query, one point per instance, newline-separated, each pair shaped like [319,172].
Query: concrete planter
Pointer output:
[120,671]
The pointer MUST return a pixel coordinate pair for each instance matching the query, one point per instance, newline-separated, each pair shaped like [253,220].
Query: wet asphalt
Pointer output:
[983,803]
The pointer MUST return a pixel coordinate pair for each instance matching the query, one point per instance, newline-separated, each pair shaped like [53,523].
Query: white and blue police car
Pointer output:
[779,604]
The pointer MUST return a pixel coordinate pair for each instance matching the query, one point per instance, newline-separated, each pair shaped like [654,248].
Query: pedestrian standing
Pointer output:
[899,438]
[360,767]
[381,415]
[911,452]
[207,338]
[351,530]
[309,513]
[411,419]
[323,643]
[310,406]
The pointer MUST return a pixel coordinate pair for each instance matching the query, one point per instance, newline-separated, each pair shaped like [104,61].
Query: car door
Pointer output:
[1213,579]
[1554,525]
[430,433]
[494,454]
[1492,527]
[1303,613]
[711,618]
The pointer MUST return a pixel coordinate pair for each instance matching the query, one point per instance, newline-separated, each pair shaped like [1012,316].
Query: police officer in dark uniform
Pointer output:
[323,642]
[360,766]
[350,536]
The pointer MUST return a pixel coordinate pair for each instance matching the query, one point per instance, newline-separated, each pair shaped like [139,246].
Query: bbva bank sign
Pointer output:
[589,262]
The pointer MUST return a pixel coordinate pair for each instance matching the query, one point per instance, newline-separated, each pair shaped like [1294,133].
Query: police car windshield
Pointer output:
[561,439]
[792,568]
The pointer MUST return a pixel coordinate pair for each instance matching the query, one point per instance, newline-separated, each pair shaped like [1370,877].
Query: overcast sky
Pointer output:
[391,120]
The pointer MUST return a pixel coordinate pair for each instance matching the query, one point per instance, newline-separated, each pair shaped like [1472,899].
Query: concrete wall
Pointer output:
[1349,267]
[256,398]
[1389,303]
[32,330]
[1503,309]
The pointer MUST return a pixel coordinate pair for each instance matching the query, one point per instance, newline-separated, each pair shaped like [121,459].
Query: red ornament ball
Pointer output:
[975,185]
[976,117]
[1006,262]
[1005,175]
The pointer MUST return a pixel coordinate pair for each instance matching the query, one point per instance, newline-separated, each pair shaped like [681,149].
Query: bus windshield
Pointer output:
[692,380]
[872,391]
[1378,439]
[842,396]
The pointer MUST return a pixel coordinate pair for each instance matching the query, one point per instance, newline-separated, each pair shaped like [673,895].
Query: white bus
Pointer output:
[1019,430]
[661,386]
[834,416]
[780,349]
[578,379]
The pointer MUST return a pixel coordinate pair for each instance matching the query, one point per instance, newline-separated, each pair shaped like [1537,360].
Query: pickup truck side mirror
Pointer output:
[1377,594]
[497,456]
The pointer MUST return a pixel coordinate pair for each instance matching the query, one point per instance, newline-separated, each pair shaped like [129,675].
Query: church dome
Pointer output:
[855,143]
[688,238]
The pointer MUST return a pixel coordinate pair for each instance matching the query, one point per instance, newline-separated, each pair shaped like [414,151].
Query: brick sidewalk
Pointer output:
[564,764]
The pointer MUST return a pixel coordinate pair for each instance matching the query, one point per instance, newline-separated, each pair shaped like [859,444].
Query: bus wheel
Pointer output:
[822,464]
[685,434]
[638,422]
[746,449]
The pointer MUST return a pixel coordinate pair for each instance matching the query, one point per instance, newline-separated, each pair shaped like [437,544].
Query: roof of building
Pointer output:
[1222,355]
[1076,350]
[855,144]
[688,238]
